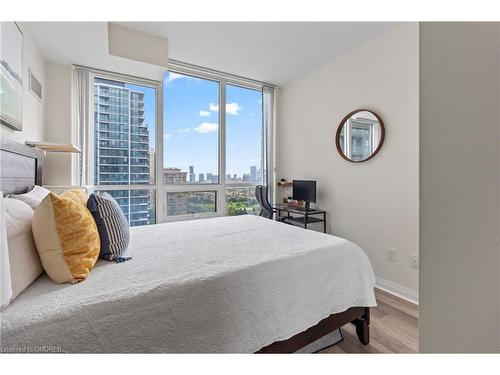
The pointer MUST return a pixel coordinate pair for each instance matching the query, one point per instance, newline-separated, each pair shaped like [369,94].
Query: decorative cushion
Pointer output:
[24,262]
[112,226]
[78,195]
[32,197]
[66,236]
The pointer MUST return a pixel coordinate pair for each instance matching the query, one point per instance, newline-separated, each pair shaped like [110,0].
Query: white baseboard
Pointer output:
[398,290]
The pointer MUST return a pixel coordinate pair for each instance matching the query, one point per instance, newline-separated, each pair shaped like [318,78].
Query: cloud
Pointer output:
[204,113]
[231,108]
[184,130]
[206,127]
[171,76]
[167,136]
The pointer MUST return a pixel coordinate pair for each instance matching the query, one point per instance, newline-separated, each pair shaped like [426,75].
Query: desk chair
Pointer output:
[266,210]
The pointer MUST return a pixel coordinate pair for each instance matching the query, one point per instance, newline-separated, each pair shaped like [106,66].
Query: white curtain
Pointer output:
[5,280]
[81,116]
[268,113]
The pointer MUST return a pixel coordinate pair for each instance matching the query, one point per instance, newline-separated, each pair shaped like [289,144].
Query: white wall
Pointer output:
[57,168]
[459,187]
[375,203]
[33,108]
[47,120]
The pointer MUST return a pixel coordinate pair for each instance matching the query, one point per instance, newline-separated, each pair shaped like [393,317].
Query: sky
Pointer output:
[191,110]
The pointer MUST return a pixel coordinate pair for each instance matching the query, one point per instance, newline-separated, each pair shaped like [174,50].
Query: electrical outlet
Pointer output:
[414,261]
[392,254]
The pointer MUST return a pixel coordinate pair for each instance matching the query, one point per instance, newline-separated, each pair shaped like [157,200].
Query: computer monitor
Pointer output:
[304,190]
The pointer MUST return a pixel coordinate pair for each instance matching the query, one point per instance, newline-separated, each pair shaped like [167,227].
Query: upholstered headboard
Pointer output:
[20,167]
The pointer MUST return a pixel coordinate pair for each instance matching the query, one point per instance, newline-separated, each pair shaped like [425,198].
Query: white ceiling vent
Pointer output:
[35,86]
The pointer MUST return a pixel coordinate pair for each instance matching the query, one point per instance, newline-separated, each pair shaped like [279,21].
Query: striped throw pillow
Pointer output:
[112,226]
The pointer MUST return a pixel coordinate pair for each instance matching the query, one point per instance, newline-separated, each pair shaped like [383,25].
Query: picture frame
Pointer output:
[11,75]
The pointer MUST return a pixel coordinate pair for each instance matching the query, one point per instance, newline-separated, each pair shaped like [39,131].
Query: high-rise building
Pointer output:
[152,165]
[121,151]
[253,173]
[176,202]
[201,178]
[209,177]
[173,176]
[192,176]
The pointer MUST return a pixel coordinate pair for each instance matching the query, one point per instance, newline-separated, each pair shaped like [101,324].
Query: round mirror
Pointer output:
[360,135]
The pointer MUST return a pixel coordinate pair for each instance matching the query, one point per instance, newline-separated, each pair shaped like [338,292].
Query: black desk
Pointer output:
[307,216]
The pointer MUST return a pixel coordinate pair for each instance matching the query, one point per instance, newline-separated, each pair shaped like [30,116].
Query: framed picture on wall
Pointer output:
[11,75]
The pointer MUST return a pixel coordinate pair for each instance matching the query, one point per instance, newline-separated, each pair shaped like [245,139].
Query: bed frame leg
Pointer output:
[363,327]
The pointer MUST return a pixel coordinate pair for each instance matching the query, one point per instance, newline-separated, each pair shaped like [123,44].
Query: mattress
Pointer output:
[229,284]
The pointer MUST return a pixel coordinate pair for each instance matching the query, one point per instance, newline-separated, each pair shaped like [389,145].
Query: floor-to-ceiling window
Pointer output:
[244,149]
[193,145]
[213,153]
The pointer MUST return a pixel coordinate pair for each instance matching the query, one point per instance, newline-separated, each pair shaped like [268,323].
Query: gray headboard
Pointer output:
[20,167]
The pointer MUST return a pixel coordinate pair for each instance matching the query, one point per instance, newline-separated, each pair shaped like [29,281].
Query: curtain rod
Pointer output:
[114,73]
[180,64]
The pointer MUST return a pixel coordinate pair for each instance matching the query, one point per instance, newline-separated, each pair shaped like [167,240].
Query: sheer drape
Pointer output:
[81,125]
[5,280]
[268,111]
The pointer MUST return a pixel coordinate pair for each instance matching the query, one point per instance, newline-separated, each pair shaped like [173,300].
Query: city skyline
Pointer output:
[254,175]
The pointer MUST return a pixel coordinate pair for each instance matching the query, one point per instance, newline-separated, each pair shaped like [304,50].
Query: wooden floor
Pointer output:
[393,329]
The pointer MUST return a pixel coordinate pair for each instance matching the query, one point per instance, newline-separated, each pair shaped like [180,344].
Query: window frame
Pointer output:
[347,141]
[221,187]
[160,189]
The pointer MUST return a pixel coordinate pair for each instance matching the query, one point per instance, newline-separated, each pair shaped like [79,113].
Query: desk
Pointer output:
[307,216]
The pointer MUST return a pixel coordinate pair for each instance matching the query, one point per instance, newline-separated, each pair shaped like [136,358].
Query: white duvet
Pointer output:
[230,284]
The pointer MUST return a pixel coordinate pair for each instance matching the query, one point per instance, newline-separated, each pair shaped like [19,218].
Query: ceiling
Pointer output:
[274,52]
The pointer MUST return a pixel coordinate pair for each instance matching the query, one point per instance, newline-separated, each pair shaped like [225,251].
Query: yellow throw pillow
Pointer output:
[66,236]
[79,196]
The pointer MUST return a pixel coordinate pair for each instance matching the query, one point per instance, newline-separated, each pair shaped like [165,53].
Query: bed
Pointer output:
[224,285]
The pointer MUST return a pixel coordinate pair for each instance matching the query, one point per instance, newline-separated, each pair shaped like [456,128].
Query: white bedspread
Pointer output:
[230,284]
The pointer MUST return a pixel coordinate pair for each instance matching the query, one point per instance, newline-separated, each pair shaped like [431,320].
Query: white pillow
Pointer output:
[25,265]
[33,197]
[5,283]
